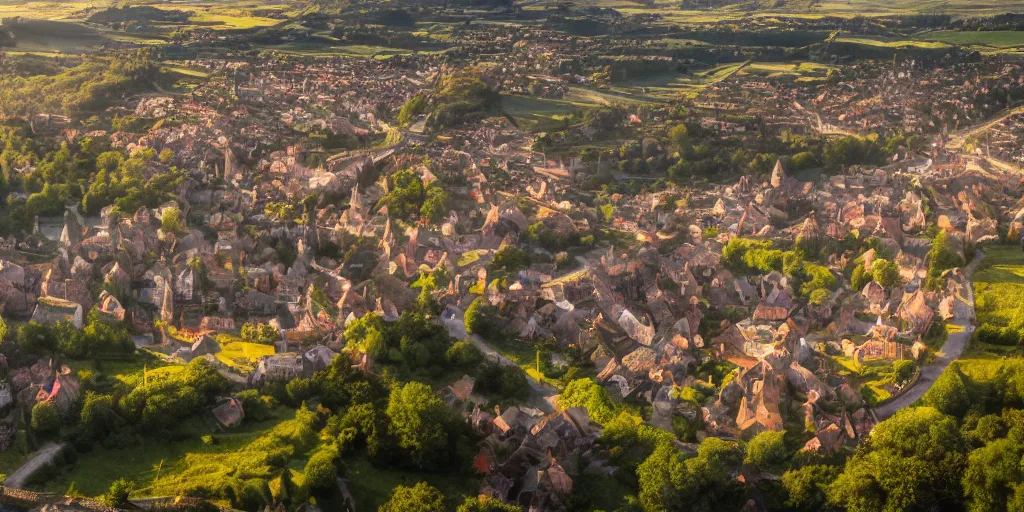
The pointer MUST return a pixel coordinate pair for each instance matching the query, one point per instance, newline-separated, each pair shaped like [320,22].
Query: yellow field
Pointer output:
[241,355]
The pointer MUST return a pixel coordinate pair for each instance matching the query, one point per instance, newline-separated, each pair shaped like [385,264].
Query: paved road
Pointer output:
[44,456]
[457,328]
[951,350]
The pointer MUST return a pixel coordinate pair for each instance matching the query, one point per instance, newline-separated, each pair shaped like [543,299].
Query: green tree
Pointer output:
[949,393]
[321,470]
[36,338]
[486,504]
[464,354]
[912,461]
[670,483]
[680,137]
[510,259]
[941,257]
[406,195]
[806,487]
[435,205]
[117,495]
[416,106]
[418,498]
[886,273]
[171,222]
[255,332]
[591,396]
[860,278]
[45,418]
[767,450]
[419,420]
[479,318]
[993,473]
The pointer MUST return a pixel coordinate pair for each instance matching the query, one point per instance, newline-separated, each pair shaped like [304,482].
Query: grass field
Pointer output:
[996,39]
[157,459]
[371,486]
[929,45]
[242,355]
[356,50]
[227,21]
[999,285]
[999,296]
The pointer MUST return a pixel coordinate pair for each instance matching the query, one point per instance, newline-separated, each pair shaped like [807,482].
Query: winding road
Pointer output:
[951,350]
[42,457]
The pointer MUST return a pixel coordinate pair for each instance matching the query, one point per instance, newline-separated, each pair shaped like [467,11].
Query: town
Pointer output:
[504,256]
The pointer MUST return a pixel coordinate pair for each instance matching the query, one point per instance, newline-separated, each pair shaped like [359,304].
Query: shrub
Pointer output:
[903,370]
[321,469]
[45,418]
[767,450]
[464,354]
[1004,336]
[117,496]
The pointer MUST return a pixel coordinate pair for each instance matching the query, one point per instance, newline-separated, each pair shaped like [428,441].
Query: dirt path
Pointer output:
[44,456]
[457,328]
[951,350]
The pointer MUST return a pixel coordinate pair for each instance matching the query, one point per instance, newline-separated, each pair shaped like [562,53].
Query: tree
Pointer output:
[117,495]
[670,483]
[170,221]
[3,330]
[321,470]
[413,108]
[993,473]
[419,420]
[508,381]
[35,339]
[860,278]
[99,416]
[591,396]
[912,461]
[486,504]
[255,332]
[806,487]
[45,418]
[419,498]
[941,257]
[464,354]
[820,297]
[886,273]
[903,370]
[767,450]
[680,137]
[406,195]
[949,393]
[479,319]
[435,205]
[510,259]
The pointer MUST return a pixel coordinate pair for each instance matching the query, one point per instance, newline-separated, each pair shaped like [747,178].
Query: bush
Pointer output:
[464,354]
[419,498]
[45,418]
[256,406]
[903,370]
[264,334]
[591,396]
[949,394]
[767,450]
[1004,336]
[321,469]
[117,496]
[506,381]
